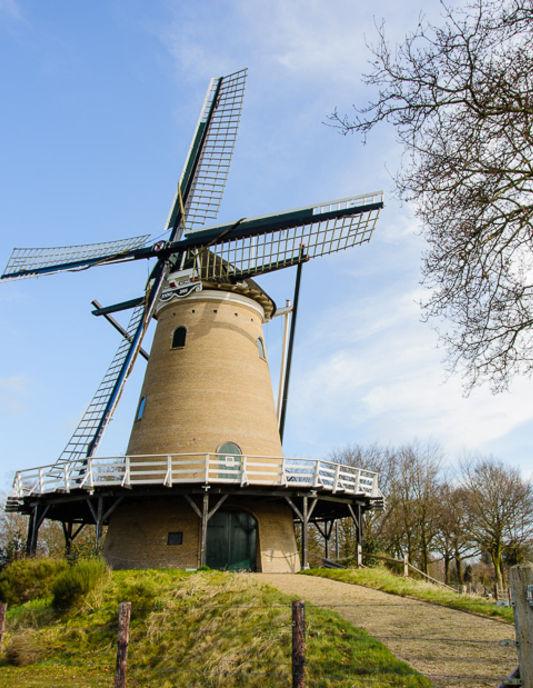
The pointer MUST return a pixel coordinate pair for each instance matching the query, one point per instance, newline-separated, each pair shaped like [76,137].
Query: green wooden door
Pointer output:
[232,541]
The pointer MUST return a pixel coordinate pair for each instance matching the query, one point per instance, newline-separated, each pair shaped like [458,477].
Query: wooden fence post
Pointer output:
[521,583]
[124,614]
[3,610]
[406,566]
[298,644]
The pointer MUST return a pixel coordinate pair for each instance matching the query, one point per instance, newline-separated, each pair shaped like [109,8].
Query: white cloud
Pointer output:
[11,8]
[13,392]
[384,377]
[310,39]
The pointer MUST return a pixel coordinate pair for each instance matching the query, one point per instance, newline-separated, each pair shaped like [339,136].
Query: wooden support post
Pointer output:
[406,566]
[327,537]
[305,534]
[124,615]
[67,532]
[521,583]
[98,524]
[358,534]
[359,553]
[298,644]
[3,611]
[203,538]
[29,538]
[337,544]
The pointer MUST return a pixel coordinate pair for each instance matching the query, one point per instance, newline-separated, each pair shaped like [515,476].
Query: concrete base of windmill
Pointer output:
[244,534]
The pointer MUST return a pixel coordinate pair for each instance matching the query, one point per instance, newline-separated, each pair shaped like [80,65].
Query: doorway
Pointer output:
[232,541]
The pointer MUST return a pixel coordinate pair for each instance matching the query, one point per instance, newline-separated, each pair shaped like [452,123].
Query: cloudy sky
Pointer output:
[99,101]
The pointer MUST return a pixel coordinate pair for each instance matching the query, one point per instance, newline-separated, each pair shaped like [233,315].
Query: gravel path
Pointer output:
[453,648]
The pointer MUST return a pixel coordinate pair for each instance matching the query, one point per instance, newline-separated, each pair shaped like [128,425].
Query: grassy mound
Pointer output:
[381,578]
[204,630]
[26,579]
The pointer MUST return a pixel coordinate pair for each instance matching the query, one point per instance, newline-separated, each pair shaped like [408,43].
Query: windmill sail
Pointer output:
[199,194]
[264,244]
[204,176]
[79,445]
[32,262]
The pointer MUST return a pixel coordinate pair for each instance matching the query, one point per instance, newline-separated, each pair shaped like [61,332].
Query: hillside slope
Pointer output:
[208,629]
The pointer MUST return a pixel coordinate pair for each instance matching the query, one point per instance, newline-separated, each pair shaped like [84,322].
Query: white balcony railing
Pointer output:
[171,469]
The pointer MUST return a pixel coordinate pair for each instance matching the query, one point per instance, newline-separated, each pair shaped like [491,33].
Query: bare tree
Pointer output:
[409,478]
[51,541]
[453,540]
[499,505]
[460,97]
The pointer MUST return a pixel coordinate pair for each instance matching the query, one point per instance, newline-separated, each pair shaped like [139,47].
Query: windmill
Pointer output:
[204,479]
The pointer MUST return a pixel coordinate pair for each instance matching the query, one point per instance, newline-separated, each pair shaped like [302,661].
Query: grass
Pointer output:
[204,630]
[381,578]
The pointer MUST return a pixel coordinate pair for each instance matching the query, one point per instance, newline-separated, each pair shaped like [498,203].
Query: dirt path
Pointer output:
[453,648]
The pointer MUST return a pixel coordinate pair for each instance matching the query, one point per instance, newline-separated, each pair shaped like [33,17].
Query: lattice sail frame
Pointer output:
[29,262]
[312,231]
[78,445]
[220,114]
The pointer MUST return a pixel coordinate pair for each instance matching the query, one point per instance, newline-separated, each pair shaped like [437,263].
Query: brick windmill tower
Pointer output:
[204,479]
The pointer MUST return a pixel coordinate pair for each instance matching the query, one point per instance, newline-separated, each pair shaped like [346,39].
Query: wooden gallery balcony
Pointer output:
[168,470]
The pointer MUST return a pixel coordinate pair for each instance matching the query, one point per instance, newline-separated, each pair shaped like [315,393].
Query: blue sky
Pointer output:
[99,102]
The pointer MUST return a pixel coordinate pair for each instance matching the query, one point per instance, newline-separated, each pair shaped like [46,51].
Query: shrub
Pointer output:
[26,579]
[77,581]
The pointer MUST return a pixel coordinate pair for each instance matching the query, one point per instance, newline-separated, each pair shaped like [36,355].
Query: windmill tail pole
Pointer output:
[291,343]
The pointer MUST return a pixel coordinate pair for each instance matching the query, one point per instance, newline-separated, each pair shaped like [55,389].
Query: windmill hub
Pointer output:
[204,479]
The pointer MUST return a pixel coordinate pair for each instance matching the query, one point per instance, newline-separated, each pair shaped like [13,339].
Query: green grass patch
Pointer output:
[204,630]
[381,578]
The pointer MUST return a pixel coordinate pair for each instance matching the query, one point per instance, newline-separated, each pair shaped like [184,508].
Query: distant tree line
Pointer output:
[482,510]
[13,532]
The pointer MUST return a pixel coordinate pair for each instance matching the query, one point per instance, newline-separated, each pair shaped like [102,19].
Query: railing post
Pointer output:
[126,480]
[206,476]
[357,486]
[90,472]
[168,477]
[244,470]
[65,477]
[283,473]
[298,644]
[316,477]
[18,484]
[41,480]
[336,479]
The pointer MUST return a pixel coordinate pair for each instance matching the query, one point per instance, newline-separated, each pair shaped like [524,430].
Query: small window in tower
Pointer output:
[140,408]
[261,347]
[175,538]
[179,337]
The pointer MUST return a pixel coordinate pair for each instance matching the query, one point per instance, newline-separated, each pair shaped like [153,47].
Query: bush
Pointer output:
[26,579]
[77,581]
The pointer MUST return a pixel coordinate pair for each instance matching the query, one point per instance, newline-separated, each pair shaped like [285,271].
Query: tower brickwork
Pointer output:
[213,388]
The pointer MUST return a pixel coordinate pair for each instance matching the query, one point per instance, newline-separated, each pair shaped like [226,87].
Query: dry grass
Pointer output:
[203,630]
